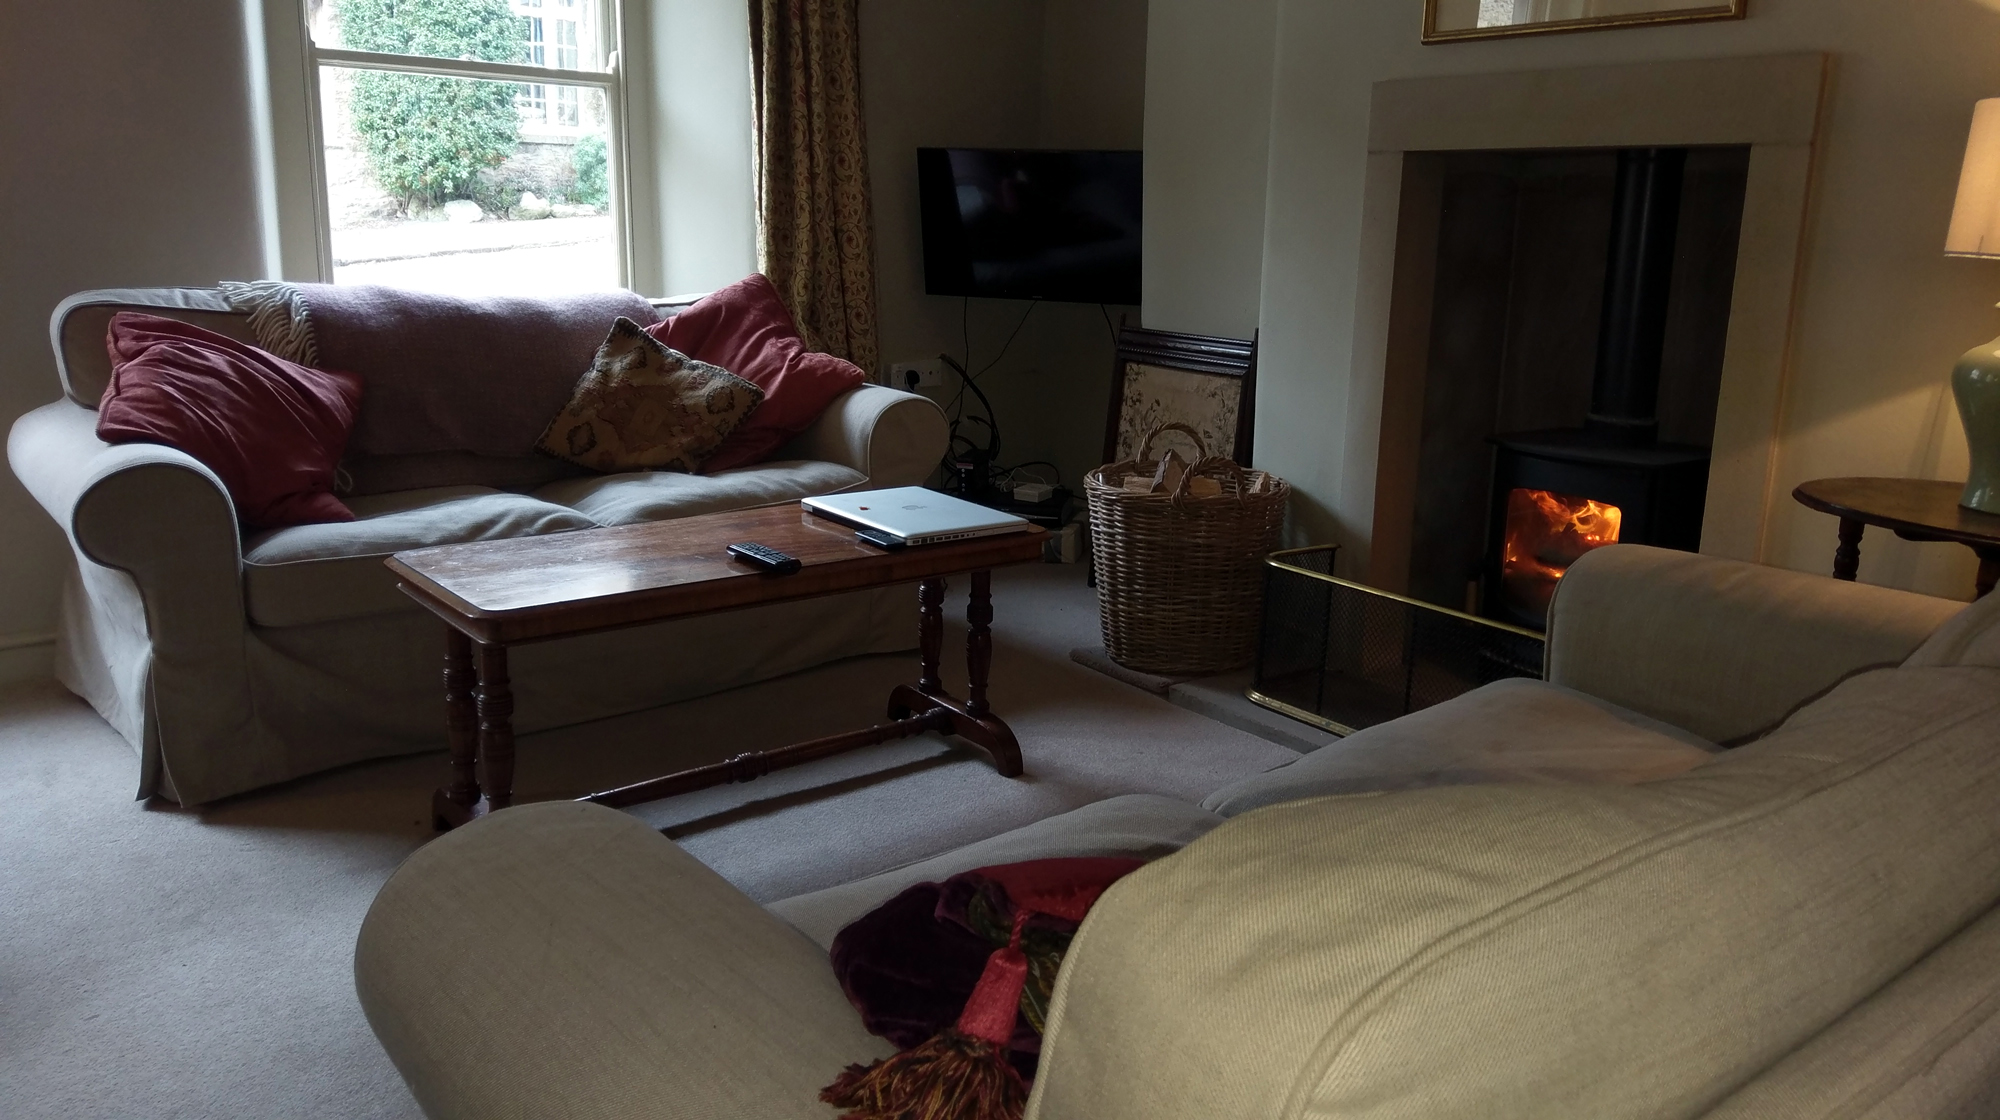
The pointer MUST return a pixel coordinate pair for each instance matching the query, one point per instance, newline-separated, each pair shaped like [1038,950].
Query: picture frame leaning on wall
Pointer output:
[1205,382]
[1451,21]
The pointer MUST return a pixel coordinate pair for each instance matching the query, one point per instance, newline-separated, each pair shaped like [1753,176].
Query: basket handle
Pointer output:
[1146,446]
[1230,467]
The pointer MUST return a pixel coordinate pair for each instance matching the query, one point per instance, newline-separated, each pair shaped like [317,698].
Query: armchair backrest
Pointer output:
[1720,647]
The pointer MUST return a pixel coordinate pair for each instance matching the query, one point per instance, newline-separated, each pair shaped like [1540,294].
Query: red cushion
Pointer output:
[271,430]
[746,330]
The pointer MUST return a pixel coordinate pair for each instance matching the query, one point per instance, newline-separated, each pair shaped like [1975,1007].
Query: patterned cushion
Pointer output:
[644,406]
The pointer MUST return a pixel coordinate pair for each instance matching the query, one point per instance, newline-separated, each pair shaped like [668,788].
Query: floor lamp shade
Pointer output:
[1975,232]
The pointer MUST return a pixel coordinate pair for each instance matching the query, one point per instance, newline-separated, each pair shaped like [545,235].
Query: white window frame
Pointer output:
[611,80]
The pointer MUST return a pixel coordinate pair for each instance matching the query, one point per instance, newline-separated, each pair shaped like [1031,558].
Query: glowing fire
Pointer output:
[1546,533]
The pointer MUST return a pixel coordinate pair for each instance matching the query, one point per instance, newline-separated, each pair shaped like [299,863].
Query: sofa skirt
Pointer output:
[315,697]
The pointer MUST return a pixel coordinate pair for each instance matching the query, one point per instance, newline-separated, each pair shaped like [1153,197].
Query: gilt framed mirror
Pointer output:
[1450,21]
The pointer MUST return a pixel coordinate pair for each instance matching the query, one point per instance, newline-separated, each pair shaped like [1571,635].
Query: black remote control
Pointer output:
[769,559]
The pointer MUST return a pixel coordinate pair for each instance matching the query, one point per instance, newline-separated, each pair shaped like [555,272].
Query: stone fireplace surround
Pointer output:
[1772,104]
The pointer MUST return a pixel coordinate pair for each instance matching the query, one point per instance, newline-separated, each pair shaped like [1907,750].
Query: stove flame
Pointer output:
[1546,533]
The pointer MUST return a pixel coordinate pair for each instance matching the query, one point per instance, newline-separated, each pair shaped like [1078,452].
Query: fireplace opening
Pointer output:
[1544,534]
[1558,326]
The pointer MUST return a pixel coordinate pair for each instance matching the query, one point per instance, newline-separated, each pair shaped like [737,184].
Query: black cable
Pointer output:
[1032,463]
[1111,330]
[1010,339]
[972,383]
[957,406]
[955,409]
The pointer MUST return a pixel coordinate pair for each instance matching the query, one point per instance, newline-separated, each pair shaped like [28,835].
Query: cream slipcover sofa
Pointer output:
[1803,926]
[232,662]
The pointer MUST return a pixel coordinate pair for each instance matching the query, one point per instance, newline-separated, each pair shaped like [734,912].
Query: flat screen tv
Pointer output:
[1028,224]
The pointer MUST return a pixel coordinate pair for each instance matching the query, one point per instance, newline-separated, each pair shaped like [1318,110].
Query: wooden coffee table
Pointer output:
[496,594]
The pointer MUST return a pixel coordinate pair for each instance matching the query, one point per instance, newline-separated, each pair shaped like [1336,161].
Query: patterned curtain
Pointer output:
[815,229]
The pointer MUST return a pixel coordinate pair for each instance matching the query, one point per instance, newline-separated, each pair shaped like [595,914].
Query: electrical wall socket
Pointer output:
[922,373]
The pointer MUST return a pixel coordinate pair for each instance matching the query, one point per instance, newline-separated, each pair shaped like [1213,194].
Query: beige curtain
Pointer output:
[815,229]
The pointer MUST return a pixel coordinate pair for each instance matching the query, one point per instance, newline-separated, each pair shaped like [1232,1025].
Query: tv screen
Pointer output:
[1021,224]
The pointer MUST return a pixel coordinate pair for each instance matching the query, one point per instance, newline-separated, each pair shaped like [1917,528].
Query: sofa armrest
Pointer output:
[893,437]
[562,959]
[1722,648]
[163,518]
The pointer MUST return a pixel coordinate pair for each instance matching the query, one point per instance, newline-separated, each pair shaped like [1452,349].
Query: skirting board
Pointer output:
[27,657]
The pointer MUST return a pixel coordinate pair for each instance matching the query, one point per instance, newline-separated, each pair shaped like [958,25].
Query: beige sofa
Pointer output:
[1803,926]
[232,662]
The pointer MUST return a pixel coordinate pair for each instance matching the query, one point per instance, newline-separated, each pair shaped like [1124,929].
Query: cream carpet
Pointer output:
[156,962]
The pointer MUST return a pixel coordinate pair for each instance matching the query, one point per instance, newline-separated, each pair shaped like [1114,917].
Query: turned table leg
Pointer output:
[454,803]
[1989,571]
[976,721]
[930,632]
[930,646]
[496,726]
[973,719]
[1847,558]
[979,644]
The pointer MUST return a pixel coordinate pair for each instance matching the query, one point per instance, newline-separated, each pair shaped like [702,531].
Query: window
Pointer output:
[469,145]
[535,54]
[566,56]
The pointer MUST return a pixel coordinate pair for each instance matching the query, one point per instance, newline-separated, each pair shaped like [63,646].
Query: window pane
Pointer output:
[487,30]
[446,184]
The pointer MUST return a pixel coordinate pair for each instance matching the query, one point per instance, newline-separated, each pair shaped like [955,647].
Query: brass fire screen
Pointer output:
[1343,656]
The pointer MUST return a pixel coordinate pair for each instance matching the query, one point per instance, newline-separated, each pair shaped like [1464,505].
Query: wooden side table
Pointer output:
[1915,509]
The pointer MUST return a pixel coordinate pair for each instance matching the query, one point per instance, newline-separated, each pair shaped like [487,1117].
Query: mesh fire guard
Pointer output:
[1343,656]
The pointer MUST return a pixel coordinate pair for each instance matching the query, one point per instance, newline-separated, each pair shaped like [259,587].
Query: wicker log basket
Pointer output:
[1180,576]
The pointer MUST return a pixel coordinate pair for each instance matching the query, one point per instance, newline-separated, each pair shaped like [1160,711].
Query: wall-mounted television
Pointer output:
[1031,224]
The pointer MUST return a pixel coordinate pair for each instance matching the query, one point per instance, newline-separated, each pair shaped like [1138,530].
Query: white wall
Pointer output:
[1208,114]
[995,74]
[694,221]
[126,128]
[1882,312]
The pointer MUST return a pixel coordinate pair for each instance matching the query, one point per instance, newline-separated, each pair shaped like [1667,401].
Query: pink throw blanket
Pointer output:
[450,373]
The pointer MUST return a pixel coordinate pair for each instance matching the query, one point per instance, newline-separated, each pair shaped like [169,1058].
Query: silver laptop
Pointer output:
[915,515]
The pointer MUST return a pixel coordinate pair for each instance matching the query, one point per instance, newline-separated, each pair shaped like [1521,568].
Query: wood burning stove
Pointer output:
[1558,494]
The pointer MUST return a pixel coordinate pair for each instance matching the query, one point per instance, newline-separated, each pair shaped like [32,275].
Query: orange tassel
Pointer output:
[952,1077]
[962,1073]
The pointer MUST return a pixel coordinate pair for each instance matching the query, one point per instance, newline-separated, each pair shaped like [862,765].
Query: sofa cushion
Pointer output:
[271,430]
[318,573]
[1140,826]
[385,474]
[746,329]
[628,499]
[458,373]
[1970,637]
[1509,731]
[1513,951]
[643,406]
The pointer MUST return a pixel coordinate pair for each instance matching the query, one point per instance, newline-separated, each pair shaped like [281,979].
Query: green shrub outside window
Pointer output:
[427,138]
